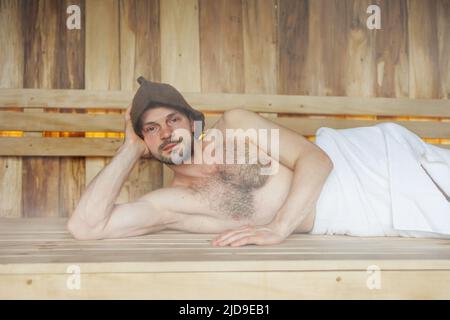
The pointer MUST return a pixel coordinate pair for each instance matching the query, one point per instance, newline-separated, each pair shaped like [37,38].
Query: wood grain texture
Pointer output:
[314,42]
[294,46]
[35,254]
[230,285]
[219,102]
[41,28]
[443,38]
[424,70]
[140,52]
[392,56]
[139,42]
[70,60]
[11,76]
[221,46]
[180,51]
[102,59]
[53,147]
[260,45]
[37,146]
[360,67]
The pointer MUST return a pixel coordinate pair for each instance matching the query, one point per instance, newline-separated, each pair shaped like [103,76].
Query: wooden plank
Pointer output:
[102,59]
[70,147]
[38,146]
[140,56]
[70,62]
[234,285]
[443,30]
[139,42]
[11,76]
[180,51]
[293,36]
[40,186]
[114,123]
[360,73]
[260,45]
[46,121]
[219,102]
[221,46]
[392,50]
[36,246]
[423,50]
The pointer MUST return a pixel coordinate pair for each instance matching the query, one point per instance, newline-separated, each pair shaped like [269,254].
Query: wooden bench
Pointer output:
[38,257]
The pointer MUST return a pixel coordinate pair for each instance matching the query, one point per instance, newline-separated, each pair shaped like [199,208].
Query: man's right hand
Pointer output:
[131,138]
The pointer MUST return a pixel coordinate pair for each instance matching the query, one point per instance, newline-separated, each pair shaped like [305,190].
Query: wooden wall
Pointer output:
[315,47]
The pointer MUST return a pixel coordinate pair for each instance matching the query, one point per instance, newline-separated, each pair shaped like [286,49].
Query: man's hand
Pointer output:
[261,235]
[131,138]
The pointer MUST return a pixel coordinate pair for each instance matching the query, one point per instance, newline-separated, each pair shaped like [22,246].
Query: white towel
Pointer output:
[386,181]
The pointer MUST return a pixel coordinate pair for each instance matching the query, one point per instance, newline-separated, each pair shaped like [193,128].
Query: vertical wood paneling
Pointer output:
[140,55]
[360,69]
[70,62]
[102,69]
[294,47]
[180,51]
[392,50]
[221,46]
[260,45]
[314,39]
[11,76]
[316,47]
[40,185]
[54,59]
[443,29]
[424,71]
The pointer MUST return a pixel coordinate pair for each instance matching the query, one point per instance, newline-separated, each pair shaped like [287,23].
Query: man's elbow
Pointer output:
[81,231]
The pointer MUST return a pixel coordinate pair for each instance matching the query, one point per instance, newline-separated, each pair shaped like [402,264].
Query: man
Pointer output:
[381,180]
[234,200]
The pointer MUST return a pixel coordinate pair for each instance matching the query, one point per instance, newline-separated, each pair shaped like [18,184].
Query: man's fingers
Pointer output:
[234,237]
[246,240]
[230,233]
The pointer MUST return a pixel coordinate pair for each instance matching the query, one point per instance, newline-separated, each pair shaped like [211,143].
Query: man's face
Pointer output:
[159,129]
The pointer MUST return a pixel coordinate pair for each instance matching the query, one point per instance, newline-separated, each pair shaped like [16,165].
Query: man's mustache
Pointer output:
[169,142]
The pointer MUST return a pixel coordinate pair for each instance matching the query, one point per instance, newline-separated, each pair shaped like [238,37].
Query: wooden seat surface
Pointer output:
[35,255]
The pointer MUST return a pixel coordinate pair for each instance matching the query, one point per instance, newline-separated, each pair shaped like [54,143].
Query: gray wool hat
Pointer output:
[152,94]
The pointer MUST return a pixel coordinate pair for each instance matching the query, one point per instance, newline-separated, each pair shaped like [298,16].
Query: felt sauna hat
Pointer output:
[152,94]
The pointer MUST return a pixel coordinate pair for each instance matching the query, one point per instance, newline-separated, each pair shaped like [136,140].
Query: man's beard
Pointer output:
[169,159]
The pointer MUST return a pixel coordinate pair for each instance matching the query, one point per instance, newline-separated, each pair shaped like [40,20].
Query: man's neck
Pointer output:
[187,174]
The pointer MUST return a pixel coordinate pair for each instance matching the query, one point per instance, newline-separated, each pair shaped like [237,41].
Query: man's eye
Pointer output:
[149,129]
[174,119]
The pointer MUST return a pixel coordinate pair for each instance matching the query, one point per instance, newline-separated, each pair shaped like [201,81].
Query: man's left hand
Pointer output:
[260,235]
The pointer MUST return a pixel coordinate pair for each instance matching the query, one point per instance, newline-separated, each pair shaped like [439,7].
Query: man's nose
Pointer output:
[165,132]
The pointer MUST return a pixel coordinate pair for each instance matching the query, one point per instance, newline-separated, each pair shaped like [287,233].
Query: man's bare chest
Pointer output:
[231,191]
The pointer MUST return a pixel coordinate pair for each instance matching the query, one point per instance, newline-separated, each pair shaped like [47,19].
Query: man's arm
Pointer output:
[96,215]
[311,166]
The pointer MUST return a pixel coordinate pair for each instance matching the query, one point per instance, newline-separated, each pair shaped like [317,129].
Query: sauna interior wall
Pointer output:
[298,47]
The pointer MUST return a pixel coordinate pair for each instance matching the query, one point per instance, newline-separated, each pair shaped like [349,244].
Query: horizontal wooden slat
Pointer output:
[35,256]
[36,146]
[45,121]
[224,101]
[42,245]
[31,121]
[77,147]
[335,284]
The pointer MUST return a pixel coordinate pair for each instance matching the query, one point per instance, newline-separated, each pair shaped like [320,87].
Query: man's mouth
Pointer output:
[169,146]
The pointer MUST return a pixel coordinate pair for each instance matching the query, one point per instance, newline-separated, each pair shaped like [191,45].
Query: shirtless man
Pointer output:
[232,200]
